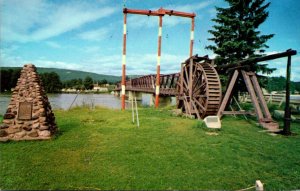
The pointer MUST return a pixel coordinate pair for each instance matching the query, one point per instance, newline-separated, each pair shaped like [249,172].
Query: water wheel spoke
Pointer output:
[200,87]
[200,105]
[186,73]
[186,104]
[195,109]
[198,80]
[195,69]
[185,83]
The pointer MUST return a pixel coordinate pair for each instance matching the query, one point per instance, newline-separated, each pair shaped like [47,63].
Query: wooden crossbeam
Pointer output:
[159,12]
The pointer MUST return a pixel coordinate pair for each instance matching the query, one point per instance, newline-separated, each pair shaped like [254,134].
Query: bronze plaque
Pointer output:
[25,110]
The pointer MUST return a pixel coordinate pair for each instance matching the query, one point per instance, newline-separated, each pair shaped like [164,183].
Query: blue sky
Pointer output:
[87,35]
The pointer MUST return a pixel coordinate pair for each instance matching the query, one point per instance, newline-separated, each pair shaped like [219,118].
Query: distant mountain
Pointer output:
[73,74]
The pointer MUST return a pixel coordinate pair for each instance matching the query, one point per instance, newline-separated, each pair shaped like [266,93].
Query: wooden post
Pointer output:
[181,79]
[137,113]
[124,64]
[158,63]
[192,36]
[228,93]
[132,109]
[287,112]
[252,96]
[260,96]
[190,84]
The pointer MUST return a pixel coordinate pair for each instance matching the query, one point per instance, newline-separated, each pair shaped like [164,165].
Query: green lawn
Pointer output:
[102,149]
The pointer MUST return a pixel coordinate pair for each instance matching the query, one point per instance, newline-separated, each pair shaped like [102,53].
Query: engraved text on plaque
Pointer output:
[25,110]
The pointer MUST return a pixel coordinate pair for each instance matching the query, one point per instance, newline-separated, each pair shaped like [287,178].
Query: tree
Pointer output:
[104,81]
[9,79]
[51,82]
[78,84]
[236,35]
[88,83]
[279,84]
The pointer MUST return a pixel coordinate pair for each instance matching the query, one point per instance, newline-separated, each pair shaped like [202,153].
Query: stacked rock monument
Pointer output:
[29,115]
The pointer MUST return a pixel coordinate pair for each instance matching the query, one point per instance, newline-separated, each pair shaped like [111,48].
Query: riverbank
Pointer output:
[102,149]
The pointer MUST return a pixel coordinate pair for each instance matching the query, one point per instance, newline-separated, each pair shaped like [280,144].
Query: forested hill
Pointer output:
[272,84]
[73,74]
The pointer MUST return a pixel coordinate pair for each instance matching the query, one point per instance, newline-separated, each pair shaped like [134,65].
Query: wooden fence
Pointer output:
[277,99]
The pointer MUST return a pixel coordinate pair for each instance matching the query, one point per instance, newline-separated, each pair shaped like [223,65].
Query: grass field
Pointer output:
[102,149]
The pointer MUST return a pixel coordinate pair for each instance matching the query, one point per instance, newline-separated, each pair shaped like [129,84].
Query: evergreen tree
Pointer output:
[236,35]
[88,83]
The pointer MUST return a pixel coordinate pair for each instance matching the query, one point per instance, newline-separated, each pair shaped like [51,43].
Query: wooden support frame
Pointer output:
[260,105]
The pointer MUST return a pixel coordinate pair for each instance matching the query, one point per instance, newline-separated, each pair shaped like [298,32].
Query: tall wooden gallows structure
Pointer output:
[160,13]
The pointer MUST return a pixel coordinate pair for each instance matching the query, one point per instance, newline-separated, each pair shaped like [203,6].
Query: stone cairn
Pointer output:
[29,115]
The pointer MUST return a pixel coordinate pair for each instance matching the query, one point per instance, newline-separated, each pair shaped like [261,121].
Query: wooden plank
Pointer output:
[228,93]
[181,79]
[172,81]
[190,82]
[252,95]
[260,96]
[238,113]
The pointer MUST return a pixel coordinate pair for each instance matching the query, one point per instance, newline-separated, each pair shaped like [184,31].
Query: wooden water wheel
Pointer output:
[199,88]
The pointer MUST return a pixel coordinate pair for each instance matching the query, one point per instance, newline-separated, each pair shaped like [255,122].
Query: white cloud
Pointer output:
[95,35]
[137,21]
[191,7]
[6,58]
[35,20]
[57,64]
[281,64]
[212,12]
[17,61]
[53,44]
[271,52]
[92,49]
[138,64]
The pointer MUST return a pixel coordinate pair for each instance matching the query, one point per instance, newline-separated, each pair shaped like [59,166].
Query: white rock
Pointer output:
[44,133]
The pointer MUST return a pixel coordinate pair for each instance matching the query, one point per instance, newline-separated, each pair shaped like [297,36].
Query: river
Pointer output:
[65,101]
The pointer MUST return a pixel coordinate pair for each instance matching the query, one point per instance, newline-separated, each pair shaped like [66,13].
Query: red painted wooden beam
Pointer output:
[159,12]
